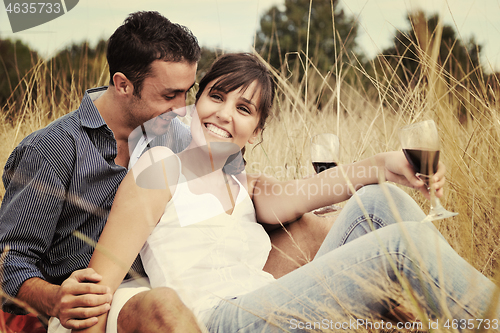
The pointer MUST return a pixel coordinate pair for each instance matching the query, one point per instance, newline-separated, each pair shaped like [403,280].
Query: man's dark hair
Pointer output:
[143,38]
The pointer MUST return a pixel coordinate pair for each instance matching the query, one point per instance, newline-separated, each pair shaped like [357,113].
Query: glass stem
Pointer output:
[434,201]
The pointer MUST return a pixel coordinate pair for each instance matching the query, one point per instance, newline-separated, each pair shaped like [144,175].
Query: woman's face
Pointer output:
[227,117]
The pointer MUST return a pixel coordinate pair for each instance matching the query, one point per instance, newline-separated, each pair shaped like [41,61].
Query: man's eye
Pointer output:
[169,97]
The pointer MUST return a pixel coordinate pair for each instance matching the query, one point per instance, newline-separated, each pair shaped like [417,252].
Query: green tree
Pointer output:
[410,49]
[286,31]
[16,59]
[80,65]
[450,71]
[208,56]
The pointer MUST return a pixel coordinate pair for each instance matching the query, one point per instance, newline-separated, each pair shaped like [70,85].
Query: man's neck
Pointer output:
[110,109]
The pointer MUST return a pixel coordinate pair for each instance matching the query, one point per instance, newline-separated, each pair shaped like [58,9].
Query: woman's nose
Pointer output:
[225,113]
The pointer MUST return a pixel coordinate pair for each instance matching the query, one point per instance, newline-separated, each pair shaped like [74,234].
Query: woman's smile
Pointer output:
[217,131]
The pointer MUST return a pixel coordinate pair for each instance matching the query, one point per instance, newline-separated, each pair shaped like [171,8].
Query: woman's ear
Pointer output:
[254,136]
[122,84]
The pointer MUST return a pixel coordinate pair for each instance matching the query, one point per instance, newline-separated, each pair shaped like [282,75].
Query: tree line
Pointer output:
[289,36]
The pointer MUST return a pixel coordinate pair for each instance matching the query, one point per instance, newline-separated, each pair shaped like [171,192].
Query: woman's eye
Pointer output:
[216,97]
[244,109]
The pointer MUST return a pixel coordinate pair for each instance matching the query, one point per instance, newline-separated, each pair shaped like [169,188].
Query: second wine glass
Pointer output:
[325,155]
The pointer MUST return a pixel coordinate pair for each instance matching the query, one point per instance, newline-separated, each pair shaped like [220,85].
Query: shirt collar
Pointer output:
[89,115]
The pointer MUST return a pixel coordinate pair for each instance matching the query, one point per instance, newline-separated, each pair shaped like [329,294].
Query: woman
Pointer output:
[194,225]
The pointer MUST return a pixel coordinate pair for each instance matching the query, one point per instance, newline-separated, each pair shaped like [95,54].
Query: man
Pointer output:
[63,178]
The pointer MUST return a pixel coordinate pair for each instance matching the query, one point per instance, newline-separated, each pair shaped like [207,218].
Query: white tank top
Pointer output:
[205,254]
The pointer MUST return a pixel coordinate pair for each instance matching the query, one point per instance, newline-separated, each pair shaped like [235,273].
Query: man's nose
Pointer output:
[181,112]
[180,102]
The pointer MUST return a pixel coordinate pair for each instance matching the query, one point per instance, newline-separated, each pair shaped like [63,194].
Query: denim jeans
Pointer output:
[357,274]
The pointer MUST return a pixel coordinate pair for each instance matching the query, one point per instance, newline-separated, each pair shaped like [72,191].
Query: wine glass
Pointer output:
[420,143]
[325,155]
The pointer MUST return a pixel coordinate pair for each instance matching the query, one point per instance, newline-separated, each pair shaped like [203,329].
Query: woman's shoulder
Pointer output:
[249,180]
[154,165]
[151,157]
[158,153]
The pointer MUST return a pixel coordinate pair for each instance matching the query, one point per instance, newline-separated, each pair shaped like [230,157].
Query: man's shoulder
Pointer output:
[59,133]
[67,128]
[50,147]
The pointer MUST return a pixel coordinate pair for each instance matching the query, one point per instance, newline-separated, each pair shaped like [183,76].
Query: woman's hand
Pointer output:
[398,170]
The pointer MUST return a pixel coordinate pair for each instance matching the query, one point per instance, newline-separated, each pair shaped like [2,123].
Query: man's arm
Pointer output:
[77,302]
[29,215]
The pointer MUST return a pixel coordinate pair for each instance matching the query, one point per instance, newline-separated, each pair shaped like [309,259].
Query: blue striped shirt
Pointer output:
[60,179]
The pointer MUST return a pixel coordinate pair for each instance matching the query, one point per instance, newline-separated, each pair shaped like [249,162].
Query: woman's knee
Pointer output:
[165,300]
[157,308]
[389,200]
[378,192]
[416,236]
[374,198]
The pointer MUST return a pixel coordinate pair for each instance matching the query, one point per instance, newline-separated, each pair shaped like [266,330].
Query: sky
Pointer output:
[231,24]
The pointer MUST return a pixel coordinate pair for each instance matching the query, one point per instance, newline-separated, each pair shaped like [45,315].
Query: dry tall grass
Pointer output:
[365,119]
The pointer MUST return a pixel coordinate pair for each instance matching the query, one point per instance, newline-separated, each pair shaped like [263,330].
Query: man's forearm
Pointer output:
[76,302]
[39,295]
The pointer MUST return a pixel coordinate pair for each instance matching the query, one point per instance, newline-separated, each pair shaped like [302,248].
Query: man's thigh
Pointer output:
[298,244]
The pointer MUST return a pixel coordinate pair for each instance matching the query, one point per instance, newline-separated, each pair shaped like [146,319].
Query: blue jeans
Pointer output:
[358,274]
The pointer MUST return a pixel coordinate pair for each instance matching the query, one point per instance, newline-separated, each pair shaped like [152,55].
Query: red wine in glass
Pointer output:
[322,166]
[420,143]
[324,156]
[423,161]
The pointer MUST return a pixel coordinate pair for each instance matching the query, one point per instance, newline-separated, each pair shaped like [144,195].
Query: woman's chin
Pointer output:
[224,148]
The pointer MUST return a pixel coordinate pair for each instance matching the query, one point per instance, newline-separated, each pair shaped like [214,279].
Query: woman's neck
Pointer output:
[206,159]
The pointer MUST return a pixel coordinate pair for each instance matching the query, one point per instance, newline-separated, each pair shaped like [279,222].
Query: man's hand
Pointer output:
[79,300]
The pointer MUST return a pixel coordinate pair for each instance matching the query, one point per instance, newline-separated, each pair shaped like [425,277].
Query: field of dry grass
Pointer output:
[365,119]
[469,128]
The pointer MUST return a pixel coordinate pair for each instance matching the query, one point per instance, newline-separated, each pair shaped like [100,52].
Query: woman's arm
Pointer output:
[135,212]
[277,201]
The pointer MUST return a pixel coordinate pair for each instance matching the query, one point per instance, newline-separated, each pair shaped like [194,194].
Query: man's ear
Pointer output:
[254,135]
[122,84]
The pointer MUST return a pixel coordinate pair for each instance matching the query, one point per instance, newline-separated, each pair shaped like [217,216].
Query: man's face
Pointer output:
[163,94]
